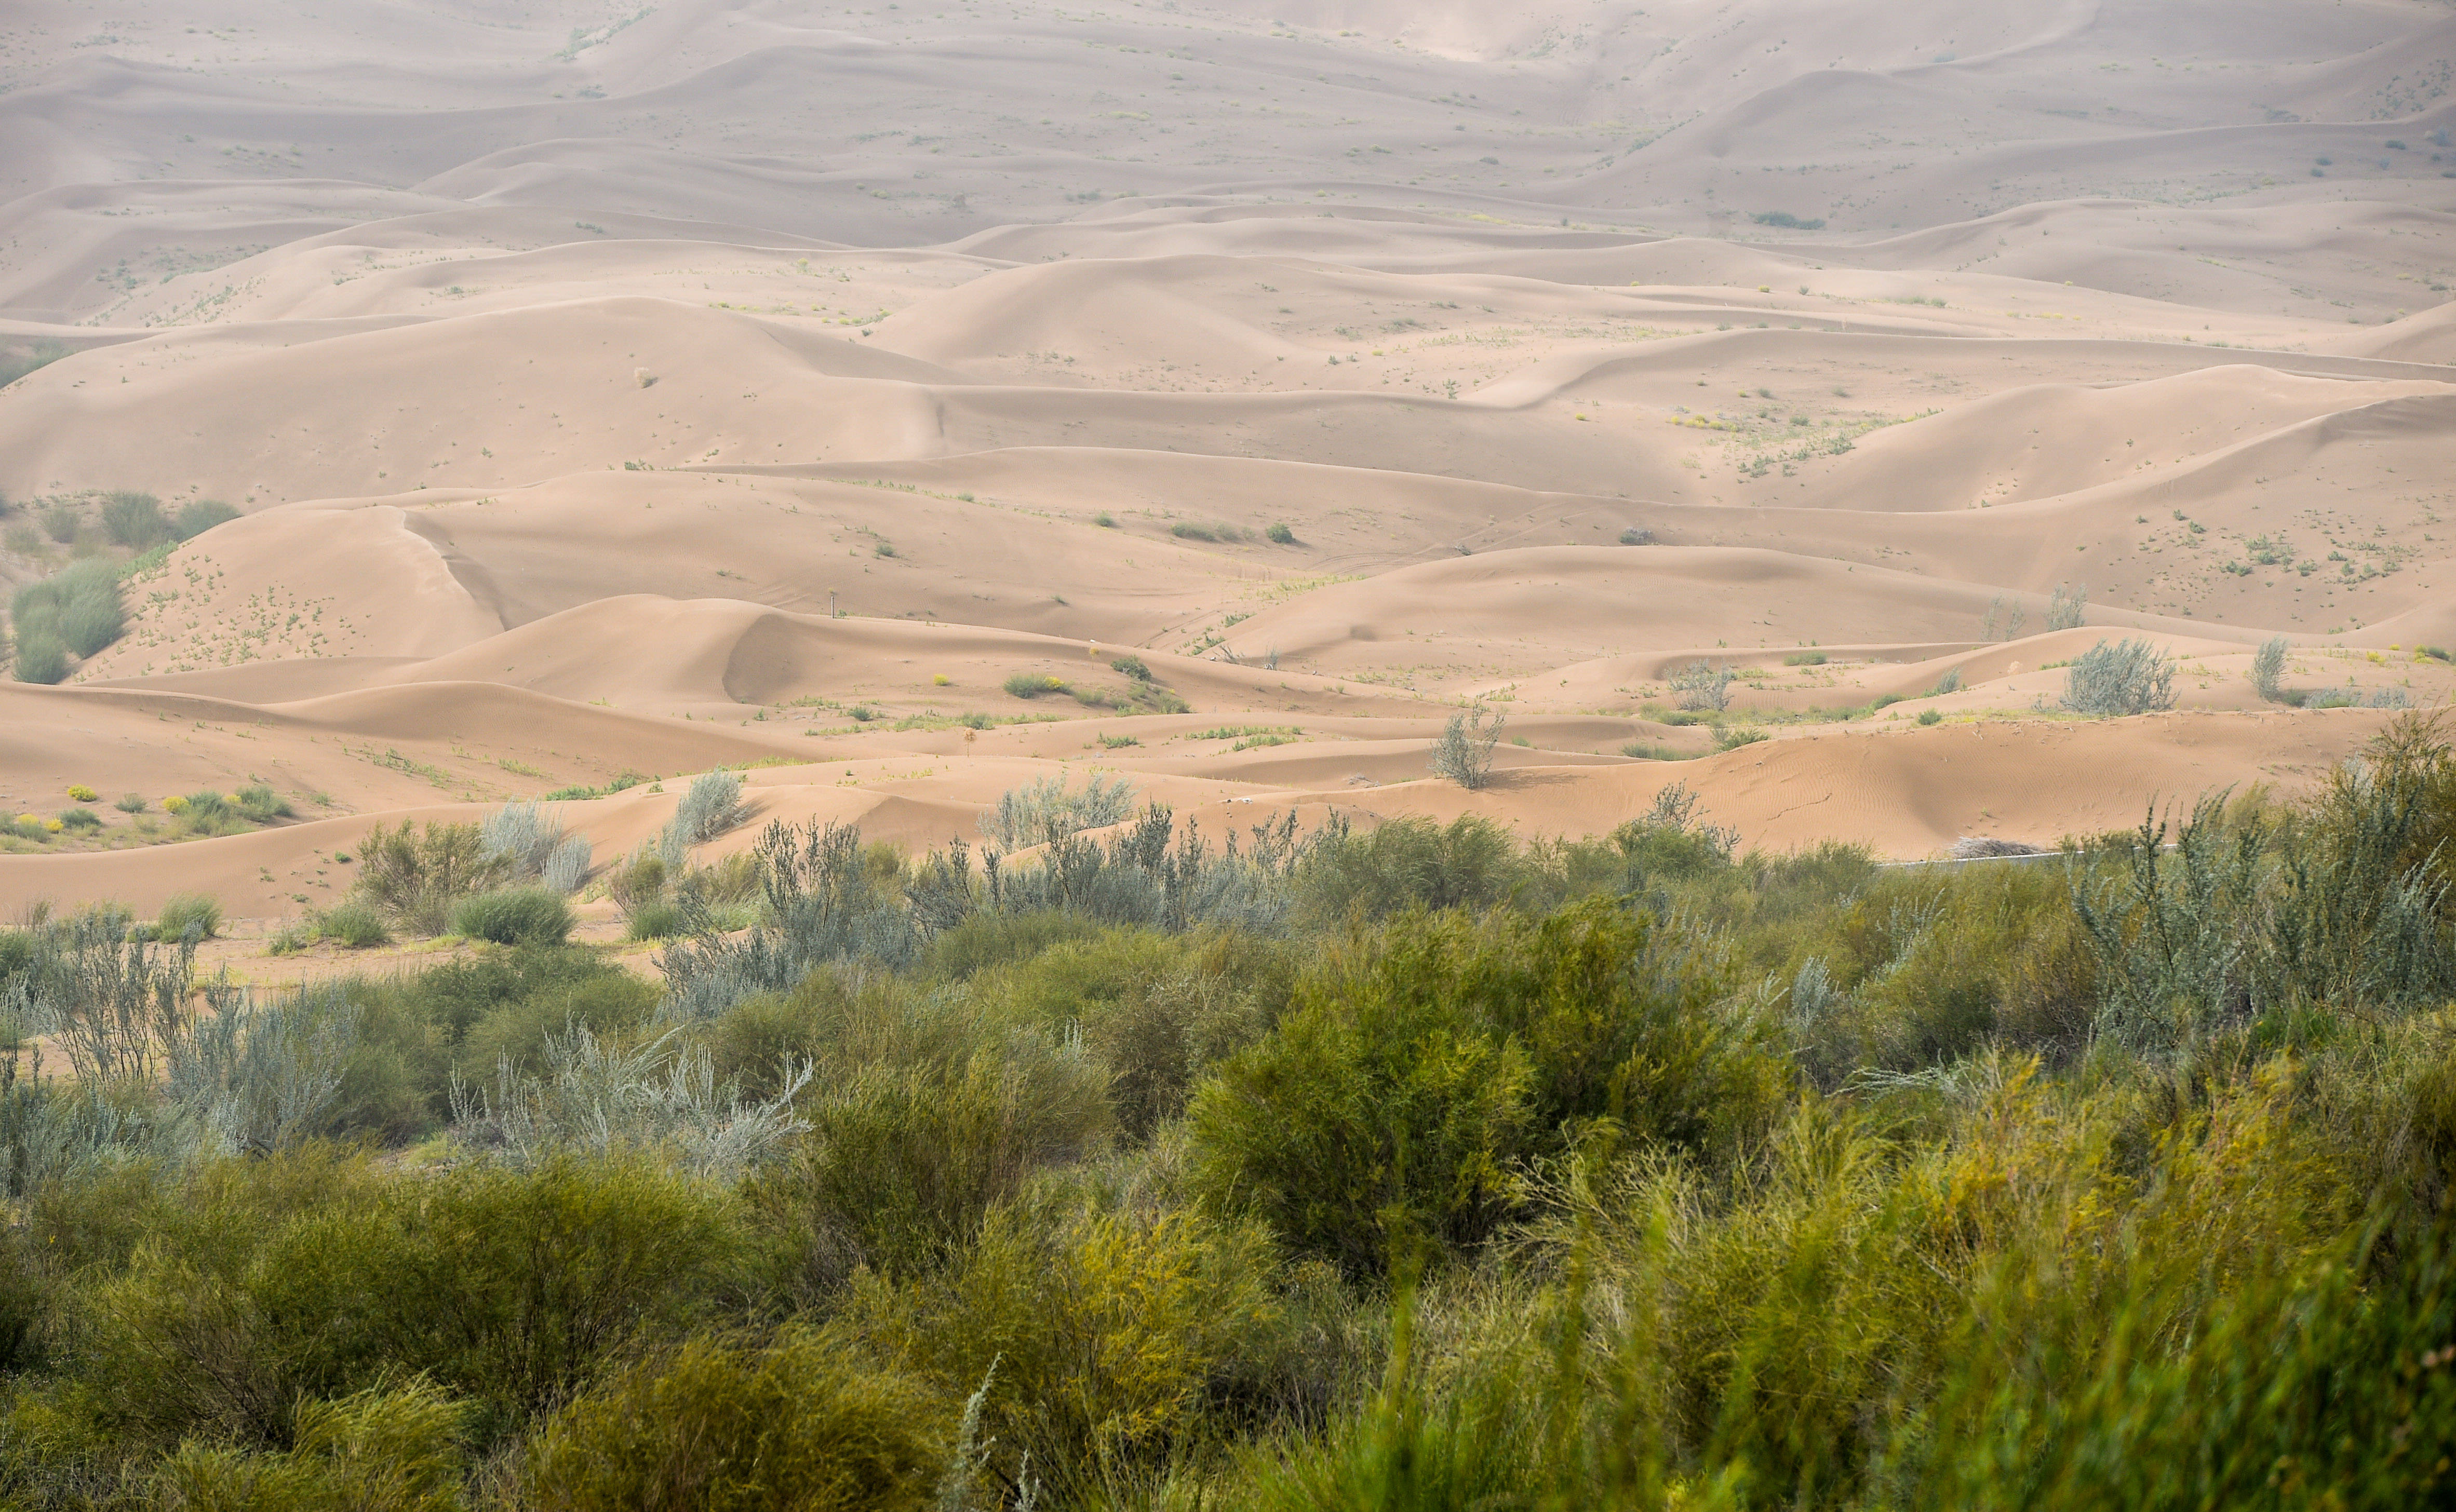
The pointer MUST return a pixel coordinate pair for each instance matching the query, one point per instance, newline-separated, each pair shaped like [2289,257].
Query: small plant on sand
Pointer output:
[1463,752]
[2268,669]
[1702,687]
[2067,608]
[82,794]
[1281,535]
[2003,619]
[2119,677]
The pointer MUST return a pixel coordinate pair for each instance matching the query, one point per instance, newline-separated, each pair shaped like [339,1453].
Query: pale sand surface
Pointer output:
[616,389]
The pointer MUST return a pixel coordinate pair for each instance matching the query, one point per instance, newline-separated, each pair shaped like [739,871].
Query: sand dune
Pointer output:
[798,388]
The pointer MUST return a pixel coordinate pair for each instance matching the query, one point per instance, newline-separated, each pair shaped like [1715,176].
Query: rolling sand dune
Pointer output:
[801,387]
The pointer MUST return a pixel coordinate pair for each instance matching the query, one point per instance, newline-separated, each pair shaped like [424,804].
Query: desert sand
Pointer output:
[608,389]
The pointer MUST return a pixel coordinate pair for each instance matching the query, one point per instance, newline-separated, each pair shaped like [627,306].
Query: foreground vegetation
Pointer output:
[1409,1170]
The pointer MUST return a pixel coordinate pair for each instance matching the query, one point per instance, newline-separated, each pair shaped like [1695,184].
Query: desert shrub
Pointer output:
[79,821]
[924,1114]
[1463,755]
[1931,716]
[131,803]
[353,925]
[1133,667]
[134,520]
[659,920]
[1042,811]
[1470,861]
[1027,684]
[2268,669]
[1633,536]
[200,515]
[379,1451]
[186,911]
[40,655]
[259,803]
[711,805]
[595,1097]
[2067,607]
[417,876]
[525,836]
[797,1422]
[512,1031]
[1361,1129]
[1701,688]
[62,522]
[1419,1064]
[81,793]
[515,917]
[276,1281]
[77,611]
[1281,535]
[2119,677]
[1097,1343]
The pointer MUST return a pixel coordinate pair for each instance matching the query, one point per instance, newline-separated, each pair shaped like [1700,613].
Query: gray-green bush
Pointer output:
[2116,678]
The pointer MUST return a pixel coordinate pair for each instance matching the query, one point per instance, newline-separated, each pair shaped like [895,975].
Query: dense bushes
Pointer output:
[1411,1169]
[76,612]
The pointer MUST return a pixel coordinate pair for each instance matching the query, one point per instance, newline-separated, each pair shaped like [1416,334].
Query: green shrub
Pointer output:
[515,917]
[41,657]
[1045,810]
[270,1283]
[200,515]
[1133,667]
[353,925]
[1281,535]
[1097,1343]
[134,520]
[798,1423]
[79,821]
[77,611]
[131,803]
[1805,659]
[612,1004]
[187,911]
[1418,1065]
[379,1451]
[1931,716]
[1025,684]
[1463,755]
[416,878]
[1470,862]
[2117,677]
[659,920]
[2268,669]
[924,1115]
